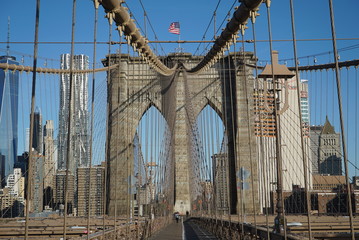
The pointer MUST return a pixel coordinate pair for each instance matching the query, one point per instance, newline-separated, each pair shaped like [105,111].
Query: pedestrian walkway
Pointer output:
[187,230]
[195,232]
[172,232]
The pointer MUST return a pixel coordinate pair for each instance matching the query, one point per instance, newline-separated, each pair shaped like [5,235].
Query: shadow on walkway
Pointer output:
[174,231]
[195,232]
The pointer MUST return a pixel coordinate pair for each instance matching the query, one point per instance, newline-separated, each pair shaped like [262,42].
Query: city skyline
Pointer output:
[9,91]
[229,121]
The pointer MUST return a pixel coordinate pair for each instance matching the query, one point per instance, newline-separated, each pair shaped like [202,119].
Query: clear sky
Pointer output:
[312,22]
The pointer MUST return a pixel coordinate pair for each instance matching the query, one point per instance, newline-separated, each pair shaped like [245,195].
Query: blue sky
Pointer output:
[312,22]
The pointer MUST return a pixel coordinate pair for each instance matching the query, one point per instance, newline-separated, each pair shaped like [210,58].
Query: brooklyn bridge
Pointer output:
[251,134]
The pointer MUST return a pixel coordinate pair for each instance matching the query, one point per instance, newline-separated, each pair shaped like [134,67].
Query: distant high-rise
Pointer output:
[59,190]
[314,146]
[326,149]
[220,173]
[49,163]
[289,122]
[79,114]
[27,139]
[9,91]
[37,187]
[97,175]
[37,137]
[304,106]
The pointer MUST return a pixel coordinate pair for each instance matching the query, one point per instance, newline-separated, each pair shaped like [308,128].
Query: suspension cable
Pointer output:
[280,219]
[33,94]
[213,18]
[69,131]
[305,166]
[249,133]
[350,207]
[92,118]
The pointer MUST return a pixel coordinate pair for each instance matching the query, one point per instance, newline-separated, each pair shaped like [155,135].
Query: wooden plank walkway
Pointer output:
[186,230]
[172,232]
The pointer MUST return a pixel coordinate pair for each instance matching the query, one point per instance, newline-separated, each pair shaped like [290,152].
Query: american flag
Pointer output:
[174,28]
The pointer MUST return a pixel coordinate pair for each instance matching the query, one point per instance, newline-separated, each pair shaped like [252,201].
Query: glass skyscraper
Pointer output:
[9,91]
[79,152]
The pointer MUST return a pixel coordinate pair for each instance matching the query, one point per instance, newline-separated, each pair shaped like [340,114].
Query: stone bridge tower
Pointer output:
[133,88]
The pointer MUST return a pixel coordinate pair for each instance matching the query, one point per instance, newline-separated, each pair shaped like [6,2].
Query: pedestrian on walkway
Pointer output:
[177,217]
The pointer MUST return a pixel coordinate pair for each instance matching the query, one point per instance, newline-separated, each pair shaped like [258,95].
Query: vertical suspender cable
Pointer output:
[233,97]
[235,70]
[279,220]
[68,152]
[33,93]
[305,167]
[226,164]
[341,119]
[249,136]
[106,148]
[92,117]
[214,25]
[356,117]
[259,112]
[128,165]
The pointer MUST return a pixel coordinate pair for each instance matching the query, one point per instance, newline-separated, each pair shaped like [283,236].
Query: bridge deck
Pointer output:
[182,231]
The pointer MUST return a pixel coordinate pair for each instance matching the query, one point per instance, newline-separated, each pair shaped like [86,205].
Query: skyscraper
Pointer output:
[37,138]
[79,151]
[289,122]
[97,175]
[27,139]
[78,133]
[9,90]
[326,149]
[220,175]
[304,106]
[49,162]
[37,187]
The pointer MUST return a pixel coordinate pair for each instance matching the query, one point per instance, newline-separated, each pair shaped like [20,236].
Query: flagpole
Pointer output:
[179,44]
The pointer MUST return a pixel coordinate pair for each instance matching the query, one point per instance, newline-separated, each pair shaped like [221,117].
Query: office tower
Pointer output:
[37,138]
[10,204]
[9,91]
[314,146]
[79,114]
[220,176]
[27,139]
[14,182]
[37,187]
[304,106]
[326,149]
[2,171]
[59,190]
[97,175]
[290,130]
[49,163]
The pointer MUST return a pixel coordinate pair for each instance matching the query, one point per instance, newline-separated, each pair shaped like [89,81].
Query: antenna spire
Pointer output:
[8,37]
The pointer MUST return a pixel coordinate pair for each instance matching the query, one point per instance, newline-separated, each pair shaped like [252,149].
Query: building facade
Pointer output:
[59,190]
[314,146]
[37,137]
[9,91]
[49,161]
[221,182]
[37,187]
[96,190]
[326,149]
[290,131]
[79,136]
